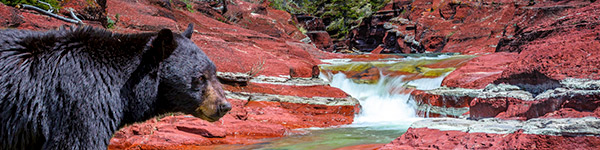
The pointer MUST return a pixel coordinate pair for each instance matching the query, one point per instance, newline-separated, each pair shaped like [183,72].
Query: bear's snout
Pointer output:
[224,108]
[215,104]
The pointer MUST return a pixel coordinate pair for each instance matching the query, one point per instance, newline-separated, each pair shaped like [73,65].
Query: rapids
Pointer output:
[386,108]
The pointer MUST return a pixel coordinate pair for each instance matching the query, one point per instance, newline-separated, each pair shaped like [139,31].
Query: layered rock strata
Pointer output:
[263,108]
[537,61]
[493,133]
[513,101]
[268,72]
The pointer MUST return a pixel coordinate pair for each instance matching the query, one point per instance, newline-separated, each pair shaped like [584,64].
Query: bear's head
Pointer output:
[188,82]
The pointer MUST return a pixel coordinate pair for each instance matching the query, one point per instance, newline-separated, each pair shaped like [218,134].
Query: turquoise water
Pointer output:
[386,113]
[330,138]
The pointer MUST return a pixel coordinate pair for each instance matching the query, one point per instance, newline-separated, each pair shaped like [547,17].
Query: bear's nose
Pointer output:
[224,108]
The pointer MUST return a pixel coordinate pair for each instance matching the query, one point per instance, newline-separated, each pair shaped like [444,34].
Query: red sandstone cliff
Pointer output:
[537,70]
[267,71]
[538,61]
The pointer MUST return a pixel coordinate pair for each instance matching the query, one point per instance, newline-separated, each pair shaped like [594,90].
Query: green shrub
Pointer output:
[344,14]
[111,23]
[188,5]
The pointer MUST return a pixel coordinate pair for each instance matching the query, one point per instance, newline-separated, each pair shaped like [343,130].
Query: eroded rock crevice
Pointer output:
[516,101]
[534,82]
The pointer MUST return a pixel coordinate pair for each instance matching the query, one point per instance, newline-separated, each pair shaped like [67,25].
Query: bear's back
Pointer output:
[17,89]
[58,77]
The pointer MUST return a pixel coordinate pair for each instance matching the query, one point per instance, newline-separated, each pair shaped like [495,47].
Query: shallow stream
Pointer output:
[386,111]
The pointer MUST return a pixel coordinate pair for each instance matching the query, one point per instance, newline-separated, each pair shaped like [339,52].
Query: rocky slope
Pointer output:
[269,75]
[534,84]
[447,133]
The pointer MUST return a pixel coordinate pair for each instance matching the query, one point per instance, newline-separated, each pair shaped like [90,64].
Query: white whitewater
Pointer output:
[386,112]
[383,104]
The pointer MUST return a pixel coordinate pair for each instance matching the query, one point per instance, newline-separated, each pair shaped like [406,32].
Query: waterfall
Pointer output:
[384,102]
[380,102]
[386,111]
[387,101]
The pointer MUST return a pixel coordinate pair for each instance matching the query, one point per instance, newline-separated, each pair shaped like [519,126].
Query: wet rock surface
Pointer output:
[536,68]
[511,101]
[267,71]
[565,111]
[537,63]
[586,126]
[447,133]
[412,69]
[248,122]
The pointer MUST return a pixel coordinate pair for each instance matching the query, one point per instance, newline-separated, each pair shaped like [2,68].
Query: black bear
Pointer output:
[73,88]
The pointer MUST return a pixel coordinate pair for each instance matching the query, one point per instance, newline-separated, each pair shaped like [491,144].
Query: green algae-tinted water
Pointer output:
[386,111]
[331,138]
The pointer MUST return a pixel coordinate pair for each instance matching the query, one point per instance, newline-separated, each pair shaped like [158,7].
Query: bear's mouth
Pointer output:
[204,117]
[200,114]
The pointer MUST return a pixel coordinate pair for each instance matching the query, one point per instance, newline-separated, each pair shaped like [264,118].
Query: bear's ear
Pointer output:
[188,32]
[163,45]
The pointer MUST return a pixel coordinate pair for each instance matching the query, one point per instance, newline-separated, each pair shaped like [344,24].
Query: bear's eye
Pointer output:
[197,82]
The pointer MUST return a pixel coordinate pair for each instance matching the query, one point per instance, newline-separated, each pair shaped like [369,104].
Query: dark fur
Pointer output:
[73,88]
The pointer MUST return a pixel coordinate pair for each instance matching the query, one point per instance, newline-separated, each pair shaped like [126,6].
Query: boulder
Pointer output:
[315,30]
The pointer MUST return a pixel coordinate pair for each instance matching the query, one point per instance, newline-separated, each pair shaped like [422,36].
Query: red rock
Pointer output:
[485,108]
[558,107]
[86,10]
[469,27]
[246,123]
[275,62]
[257,129]
[392,44]
[31,20]
[315,30]
[259,17]
[233,49]
[39,22]
[441,100]
[362,147]
[581,103]
[209,8]
[321,39]
[450,63]
[309,22]
[571,113]
[130,12]
[562,47]
[425,99]
[212,133]
[377,50]
[403,46]
[479,71]
[10,16]
[366,39]
[302,91]
[370,75]
[369,57]
[424,138]
[442,26]
[236,49]
[300,115]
